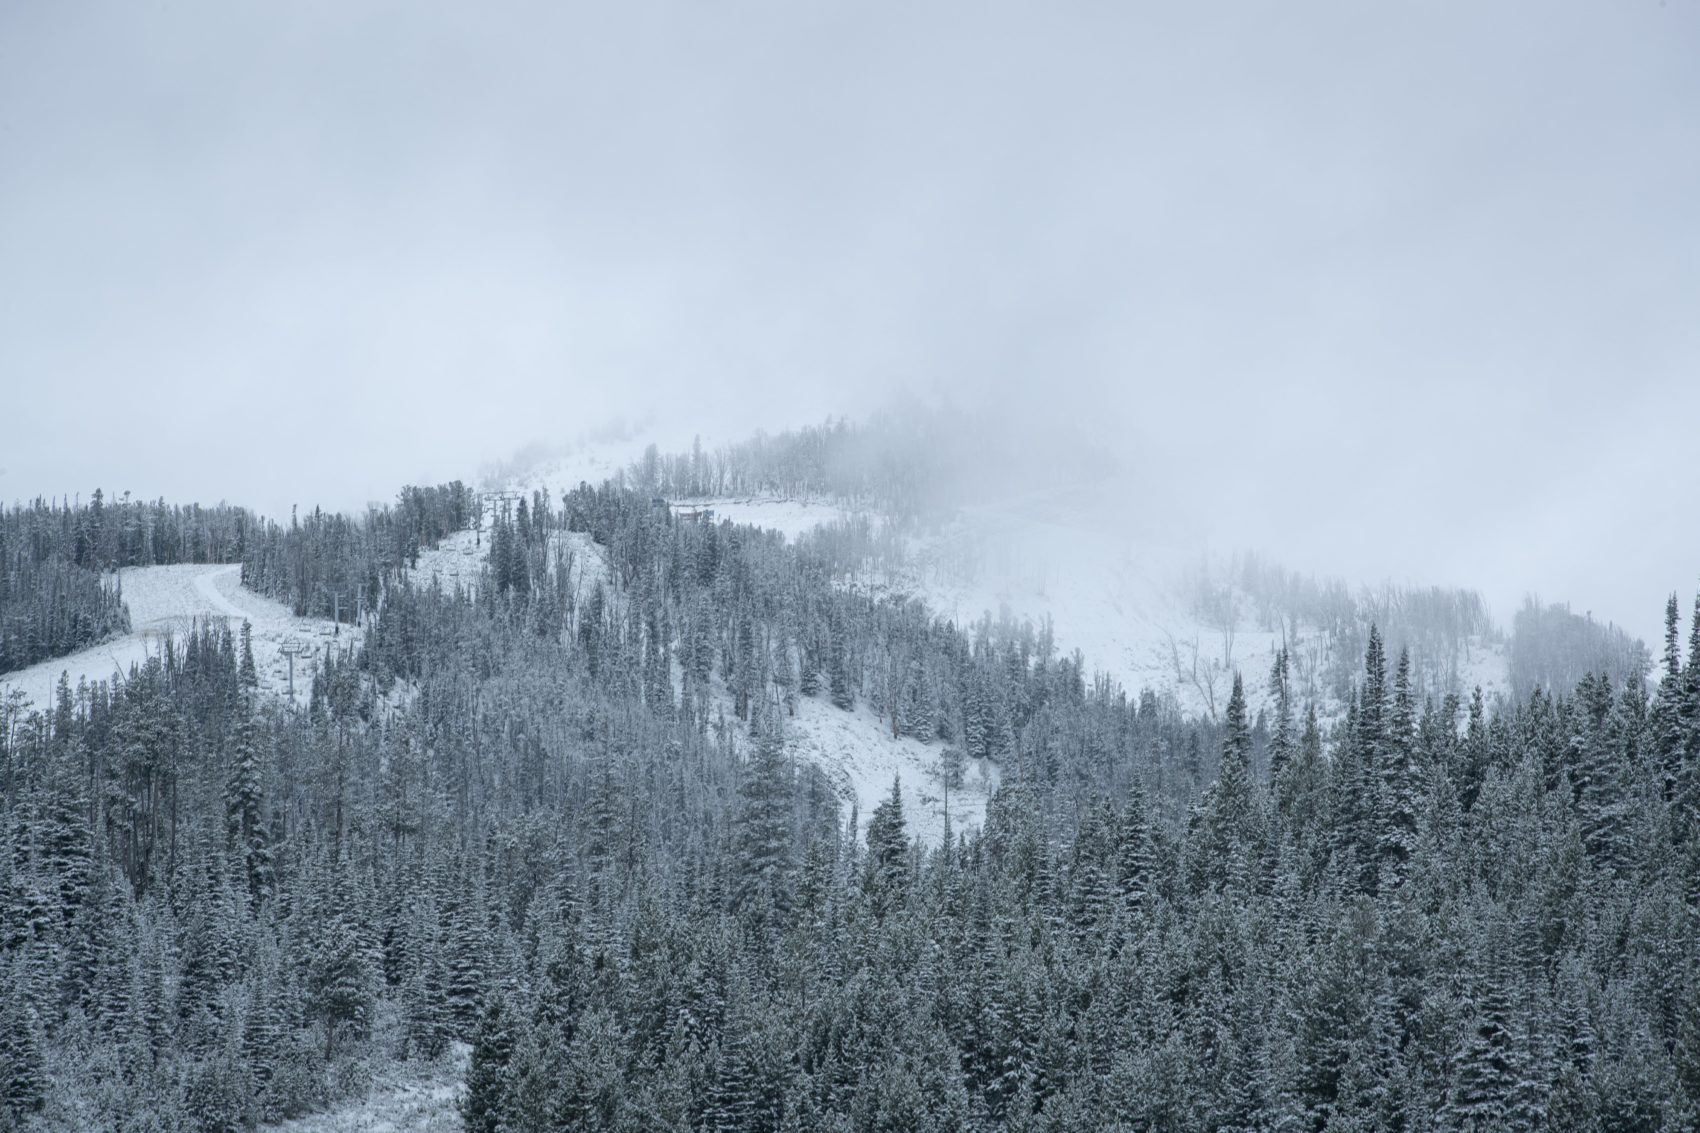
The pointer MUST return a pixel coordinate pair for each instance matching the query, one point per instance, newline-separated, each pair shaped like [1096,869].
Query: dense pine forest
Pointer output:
[558,815]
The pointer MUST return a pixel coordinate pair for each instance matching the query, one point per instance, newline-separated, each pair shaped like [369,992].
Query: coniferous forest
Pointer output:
[558,816]
[847,568]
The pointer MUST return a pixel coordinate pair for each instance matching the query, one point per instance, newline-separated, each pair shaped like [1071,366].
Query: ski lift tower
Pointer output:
[292,648]
[502,503]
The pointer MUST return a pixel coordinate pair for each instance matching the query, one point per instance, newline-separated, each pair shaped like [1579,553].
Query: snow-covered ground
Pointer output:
[588,459]
[787,515]
[1117,600]
[166,601]
[1121,599]
[857,751]
[425,1103]
[456,561]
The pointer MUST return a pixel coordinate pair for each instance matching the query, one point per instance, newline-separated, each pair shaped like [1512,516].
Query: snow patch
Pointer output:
[789,516]
[859,754]
[455,561]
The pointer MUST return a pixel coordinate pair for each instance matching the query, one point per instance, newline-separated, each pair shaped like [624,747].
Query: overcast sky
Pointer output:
[1393,289]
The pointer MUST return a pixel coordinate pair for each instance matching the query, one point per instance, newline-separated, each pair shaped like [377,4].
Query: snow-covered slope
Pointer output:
[166,601]
[1124,601]
[787,515]
[860,755]
[856,749]
[1120,598]
[1118,594]
[455,561]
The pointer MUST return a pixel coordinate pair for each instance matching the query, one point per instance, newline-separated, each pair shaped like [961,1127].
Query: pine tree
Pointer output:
[468,948]
[763,831]
[248,674]
[427,1014]
[886,872]
[1359,819]
[23,1065]
[1093,871]
[1598,771]
[840,683]
[484,1106]
[1476,753]
[1397,800]
[1283,743]
[1489,1061]
[1133,852]
[1667,730]
[1231,810]
[243,809]
[1686,787]
[340,981]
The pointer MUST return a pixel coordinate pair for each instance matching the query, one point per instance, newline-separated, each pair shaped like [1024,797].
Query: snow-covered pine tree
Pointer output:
[763,826]
[248,674]
[1282,741]
[885,878]
[1397,788]
[484,1105]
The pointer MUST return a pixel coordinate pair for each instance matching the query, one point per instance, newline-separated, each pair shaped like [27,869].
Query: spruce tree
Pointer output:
[1134,864]
[1283,742]
[1231,805]
[1397,794]
[839,677]
[23,1064]
[885,877]
[763,830]
[484,1106]
[248,674]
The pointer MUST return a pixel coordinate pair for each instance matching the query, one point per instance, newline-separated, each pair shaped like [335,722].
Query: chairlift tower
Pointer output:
[502,503]
[292,648]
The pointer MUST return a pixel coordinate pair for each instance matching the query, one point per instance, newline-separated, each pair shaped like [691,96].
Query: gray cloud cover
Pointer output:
[1391,289]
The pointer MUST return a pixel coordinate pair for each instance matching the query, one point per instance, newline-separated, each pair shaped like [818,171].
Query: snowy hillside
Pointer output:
[1127,604]
[790,517]
[1122,601]
[1125,600]
[165,601]
[453,562]
[857,751]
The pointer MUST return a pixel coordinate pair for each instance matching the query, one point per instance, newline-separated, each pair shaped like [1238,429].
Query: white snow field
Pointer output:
[166,601]
[455,561]
[789,516]
[1122,601]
